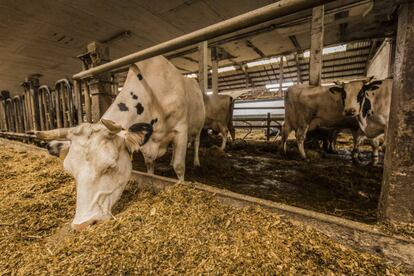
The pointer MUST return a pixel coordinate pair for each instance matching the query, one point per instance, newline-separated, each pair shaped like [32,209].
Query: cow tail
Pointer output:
[230,120]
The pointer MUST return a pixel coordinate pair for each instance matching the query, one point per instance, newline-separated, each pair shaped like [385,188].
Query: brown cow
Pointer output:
[219,115]
[310,107]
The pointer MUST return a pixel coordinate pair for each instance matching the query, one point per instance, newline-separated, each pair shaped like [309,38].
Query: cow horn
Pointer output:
[55,134]
[111,126]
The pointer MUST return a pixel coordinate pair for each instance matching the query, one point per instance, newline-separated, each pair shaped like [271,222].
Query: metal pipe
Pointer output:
[42,109]
[88,102]
[269,12]
[64,88]
[77,86]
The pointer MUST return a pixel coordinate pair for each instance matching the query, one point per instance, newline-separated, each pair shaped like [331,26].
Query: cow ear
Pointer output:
[133,141]
[63,153]
[372,87]
[137,135]
[335,89]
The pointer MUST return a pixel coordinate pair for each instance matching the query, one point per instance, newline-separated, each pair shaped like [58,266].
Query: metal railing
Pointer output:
[262,114]
[41,108]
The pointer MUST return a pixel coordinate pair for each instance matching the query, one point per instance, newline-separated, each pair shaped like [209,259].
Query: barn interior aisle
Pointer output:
[207,137]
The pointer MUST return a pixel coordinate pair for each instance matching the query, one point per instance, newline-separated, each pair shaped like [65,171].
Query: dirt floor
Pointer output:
[178,231]
[327,183]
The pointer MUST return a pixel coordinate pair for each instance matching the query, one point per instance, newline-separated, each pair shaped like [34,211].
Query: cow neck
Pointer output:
[136,103]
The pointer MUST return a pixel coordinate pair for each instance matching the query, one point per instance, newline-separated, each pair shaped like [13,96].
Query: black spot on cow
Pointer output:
[366,108]
[139,108]
[366,105]
[123,107]
[361,95]
[135,97]
[142,127]
[139,76]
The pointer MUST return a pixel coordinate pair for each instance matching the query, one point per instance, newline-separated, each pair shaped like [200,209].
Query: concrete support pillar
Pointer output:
[214,71]
[397,195]
[281,76]
[203,66]
[99,87]
[298,70]
[317,33]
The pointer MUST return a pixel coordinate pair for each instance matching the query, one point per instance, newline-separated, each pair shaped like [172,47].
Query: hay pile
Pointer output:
[178,231]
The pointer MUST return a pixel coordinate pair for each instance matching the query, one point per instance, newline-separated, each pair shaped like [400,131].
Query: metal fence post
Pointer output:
[268,126]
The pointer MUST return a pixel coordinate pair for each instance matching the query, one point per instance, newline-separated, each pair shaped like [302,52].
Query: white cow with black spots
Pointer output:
[368,101]
[156,107]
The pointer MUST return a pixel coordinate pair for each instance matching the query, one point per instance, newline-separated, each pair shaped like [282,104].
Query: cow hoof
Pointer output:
[356,161]
[374,163]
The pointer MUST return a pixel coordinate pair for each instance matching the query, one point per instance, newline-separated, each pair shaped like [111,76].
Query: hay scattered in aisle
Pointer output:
[178,231]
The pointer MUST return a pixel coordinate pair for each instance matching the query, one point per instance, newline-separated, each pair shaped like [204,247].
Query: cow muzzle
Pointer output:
[350,112]
[84,225]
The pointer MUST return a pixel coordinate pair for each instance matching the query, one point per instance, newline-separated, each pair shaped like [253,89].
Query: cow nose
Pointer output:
[82,226]
[350,112]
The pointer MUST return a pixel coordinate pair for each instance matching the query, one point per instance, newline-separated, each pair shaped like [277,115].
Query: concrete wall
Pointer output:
[380,65]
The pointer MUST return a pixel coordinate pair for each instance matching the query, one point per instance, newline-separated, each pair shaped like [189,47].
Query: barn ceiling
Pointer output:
[45,36]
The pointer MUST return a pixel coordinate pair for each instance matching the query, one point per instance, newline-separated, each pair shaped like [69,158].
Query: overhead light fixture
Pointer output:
[276,90]
[276,85]
[328,50]
[226,69]
[328,84]
[191,75]
[264,61]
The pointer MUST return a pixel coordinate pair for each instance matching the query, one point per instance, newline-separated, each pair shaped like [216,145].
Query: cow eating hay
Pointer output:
[156,107]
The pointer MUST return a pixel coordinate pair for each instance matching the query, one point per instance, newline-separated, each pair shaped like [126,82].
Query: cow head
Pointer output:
[353,95]
[98,157]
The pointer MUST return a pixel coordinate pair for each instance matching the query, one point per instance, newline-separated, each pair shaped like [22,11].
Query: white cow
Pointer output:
[156,107]
[219,115]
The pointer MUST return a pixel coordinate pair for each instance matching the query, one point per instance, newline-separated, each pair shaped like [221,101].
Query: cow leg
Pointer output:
[300,139]
[232,133]
[180,150]
[224,133]
[331,141]
[285,134]
[172,156]
[196,148]
[375,144]
[149,163]
[358,138]
[325,144]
